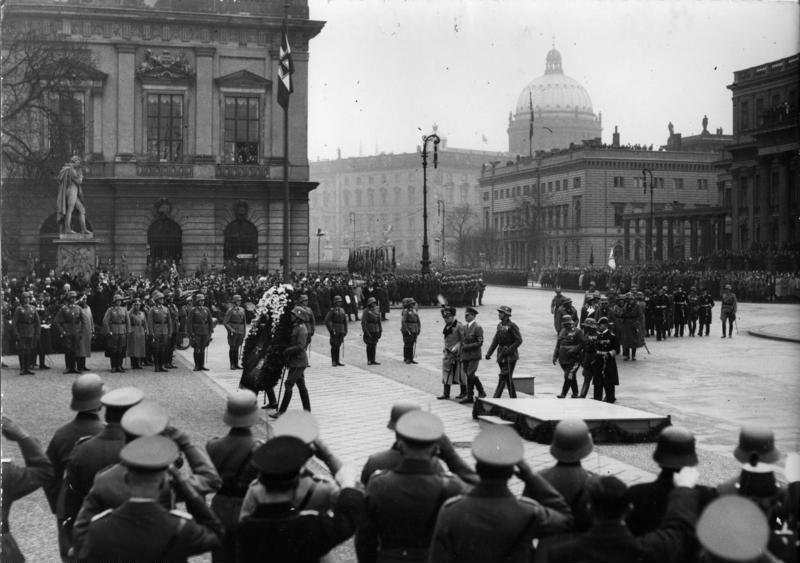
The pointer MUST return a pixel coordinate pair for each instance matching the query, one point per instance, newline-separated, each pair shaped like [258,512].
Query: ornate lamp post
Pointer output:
[320,234]
[651,245]
[426,258]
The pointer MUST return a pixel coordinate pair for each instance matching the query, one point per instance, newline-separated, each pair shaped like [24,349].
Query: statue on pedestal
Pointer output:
[705,124]
[70,196]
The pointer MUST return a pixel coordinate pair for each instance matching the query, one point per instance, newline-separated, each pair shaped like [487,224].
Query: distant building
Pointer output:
[763,172]
[562,112]
[374,201]
[180,132]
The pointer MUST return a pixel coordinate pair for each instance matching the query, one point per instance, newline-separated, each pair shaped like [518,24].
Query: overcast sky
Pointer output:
[383,71]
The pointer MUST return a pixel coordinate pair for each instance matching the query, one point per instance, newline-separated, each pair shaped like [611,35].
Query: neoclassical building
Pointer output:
[562,112]
[180,132]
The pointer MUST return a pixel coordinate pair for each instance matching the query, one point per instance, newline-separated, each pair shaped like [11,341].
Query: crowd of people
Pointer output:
[114,487]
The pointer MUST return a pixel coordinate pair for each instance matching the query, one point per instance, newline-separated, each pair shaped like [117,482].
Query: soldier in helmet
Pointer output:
[728,310]
[200,325]
[159,325]
[506,341]
[568,354]
[660,306]
[117,326]
[409,328]
[371,329]
[705,304]
[336,323]
[680,310]
[26,326]
[235,323]
[296,362]
[69,322]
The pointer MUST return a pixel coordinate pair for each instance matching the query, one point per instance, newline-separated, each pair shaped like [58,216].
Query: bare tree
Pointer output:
[460,224]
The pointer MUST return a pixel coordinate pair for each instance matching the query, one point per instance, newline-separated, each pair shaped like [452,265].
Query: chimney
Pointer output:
[615,142]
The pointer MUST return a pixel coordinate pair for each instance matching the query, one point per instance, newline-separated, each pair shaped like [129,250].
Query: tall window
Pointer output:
[618,211]
[165,126]
[165,239]
[242,129]
[68,131]
[241,237]
[577,213]
[744,115]
[619,181]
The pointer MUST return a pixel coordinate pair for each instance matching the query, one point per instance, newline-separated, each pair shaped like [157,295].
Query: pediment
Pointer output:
[166,67]
[243,79]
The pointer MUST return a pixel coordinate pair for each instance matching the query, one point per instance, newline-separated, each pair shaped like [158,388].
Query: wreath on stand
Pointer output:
[270,331]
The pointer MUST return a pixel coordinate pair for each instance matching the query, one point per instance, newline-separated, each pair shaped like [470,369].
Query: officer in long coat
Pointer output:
[471,343]
[567,354]
[661,307]
[467,525]
[200,324]
[692,310]
[69,322]
[137,337]
[26,327]
[371,329]
[451,368]
[631,332]
[159,325]
[506,341]
[235,323]
[87,332]
[336,323]
[705,304]
[296,361]
[409,328]
[607,347]
[117,326]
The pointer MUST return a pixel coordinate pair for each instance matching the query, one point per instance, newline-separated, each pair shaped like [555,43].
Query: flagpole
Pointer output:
[286,214]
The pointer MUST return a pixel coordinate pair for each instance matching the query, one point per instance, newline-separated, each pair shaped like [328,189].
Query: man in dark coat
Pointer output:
[69,324]
[567,354]
[728,310]
[296,361]
[26,326]
[117,326]
[506,341]
[705,304]
[200,326]
[607,347]
[409,328]
[471,343]
[336,323]
[235,323]
[371,329]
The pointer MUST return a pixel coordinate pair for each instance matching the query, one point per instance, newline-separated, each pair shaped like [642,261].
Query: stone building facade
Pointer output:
[183,134]
[375,201]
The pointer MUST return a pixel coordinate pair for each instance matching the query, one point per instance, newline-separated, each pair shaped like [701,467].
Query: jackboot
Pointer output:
[585,387]
[445,394]
[564,388]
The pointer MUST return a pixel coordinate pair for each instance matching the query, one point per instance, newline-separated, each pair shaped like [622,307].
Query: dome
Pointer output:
[554,91]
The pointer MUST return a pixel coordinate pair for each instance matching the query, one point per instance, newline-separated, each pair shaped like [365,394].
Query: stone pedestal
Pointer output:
[76,254]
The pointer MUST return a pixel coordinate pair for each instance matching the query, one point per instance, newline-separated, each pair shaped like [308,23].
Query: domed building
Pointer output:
[562,112]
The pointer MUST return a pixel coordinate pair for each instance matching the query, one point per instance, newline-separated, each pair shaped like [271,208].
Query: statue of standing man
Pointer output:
[70,196]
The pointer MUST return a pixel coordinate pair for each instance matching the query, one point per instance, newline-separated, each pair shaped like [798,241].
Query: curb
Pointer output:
[761,333]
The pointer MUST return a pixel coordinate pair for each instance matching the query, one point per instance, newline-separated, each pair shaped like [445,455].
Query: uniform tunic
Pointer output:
[371,326]
[471,344]
[69,322]
[159,325]
[26,325]
[507,340]
[138,334]
[87,331]
[336,323]
[607,342]
[236,325]
[117,325]
[451,372]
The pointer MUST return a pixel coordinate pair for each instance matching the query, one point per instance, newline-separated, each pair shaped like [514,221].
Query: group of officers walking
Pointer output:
[114,487]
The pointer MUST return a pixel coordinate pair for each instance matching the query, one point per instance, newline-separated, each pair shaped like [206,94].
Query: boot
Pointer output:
[445,394]
[585,387]
[334,363]
[23,365]
[338,357]
[196,361]
[462,392]
[564,388]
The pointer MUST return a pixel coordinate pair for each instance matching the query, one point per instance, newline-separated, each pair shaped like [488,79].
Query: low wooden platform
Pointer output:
[535,419]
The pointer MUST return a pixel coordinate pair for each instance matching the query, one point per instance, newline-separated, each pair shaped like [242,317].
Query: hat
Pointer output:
[602,320]
[157,295]
[71,294]
[590,321]
[303,298]
[420,426]
[505,309]
[371,301]
[604,298]
[199,297]
[675,448]
[571,440]
[756,440]
[86,392]
[727,286]
[567,319]
[398,410]
[449,310]
[407,301]
[337,298]
[592,283]
[297,423]
[117,297]
[236,298]
[733,528]
[147,418]
[241,409]
[471,311]
[123,397]
[498,445]
[149,452]
[567,300]
[25,294]
[282,457]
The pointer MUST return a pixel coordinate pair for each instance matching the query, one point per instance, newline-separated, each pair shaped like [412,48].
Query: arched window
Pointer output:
[49,231]
[165,239]
[241,237]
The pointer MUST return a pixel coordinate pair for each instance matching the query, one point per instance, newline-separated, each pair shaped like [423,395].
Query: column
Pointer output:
[784,211]
[764,180]
[659,239]
[706,240]
[670,239]
[721,243]
[648,240]
[693,238]
[126,65]
[626,238]
[204,107]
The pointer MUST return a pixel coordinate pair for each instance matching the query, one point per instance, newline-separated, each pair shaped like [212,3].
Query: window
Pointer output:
[744,115]
[566,184]
[549,186]
[507,193]
[619,208]
[619,182]
[68,131]
[358,180]
[677,183]
[164,237]
[485,196]
[346,198]
[558,185]
[359,199]
[242,129]
[165,126]
[743,191]
[526,190]
[495,194]
[412,195]
[577,183]
[577,212]
[702,184]
[659,183]
[637,182]
[241,237]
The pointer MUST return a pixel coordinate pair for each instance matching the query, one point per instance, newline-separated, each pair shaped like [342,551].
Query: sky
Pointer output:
[382,72]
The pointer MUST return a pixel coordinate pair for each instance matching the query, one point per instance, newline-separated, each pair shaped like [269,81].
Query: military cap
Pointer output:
[297,423]
[122,398]
[241,409]
[87,389]
[591,283]
[420,426]
[449,310]
[471,311]
[727,286]
[675,448]
[567,300]
[604,298]
[371,301]
[406,301]
[567,319]
[282,457]
[71,294]
[303,298]
[117,297]
[504,309]
[337,298]
[756,440]
[602,320]
[558,289]
[498,445]
[399,409]
[590,321]
[147,418]
[157,295]
[571,441]
[236,298]
[25,294]
[733,528]
[149,453]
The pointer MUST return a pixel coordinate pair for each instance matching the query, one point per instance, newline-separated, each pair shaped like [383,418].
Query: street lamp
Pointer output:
[651,245]
[440,210]
[426,258]
[320,234]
